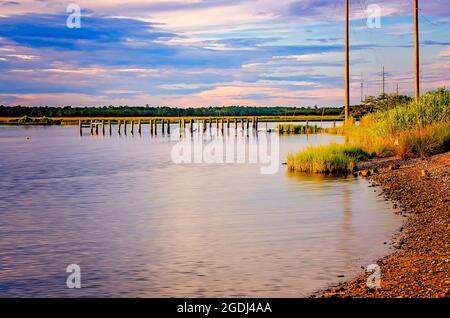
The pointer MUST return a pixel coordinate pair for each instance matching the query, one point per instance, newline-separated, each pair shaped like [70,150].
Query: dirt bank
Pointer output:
[420,264]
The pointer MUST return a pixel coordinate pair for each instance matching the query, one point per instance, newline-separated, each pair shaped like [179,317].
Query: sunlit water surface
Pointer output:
[140,225]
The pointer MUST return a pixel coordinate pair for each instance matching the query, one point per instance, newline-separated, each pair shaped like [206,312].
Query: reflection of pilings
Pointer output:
[205,122]
[191,126]
[228,124]
[125,127]
[256,123]
[242,123]
[168,126]
[132,127]
[248,124]
[156,127]
[103,127]
[221,125]
[210,125]
[119,127]
[163,129]
[217,124]
[109,127]
[96,128]
[139,127]
[235,124]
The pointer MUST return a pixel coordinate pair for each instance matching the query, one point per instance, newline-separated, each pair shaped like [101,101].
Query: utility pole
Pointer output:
[362,87]
[417,50]
[347,64]
[382,82]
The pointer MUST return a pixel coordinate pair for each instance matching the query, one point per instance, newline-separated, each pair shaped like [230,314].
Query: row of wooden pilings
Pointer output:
[106,126]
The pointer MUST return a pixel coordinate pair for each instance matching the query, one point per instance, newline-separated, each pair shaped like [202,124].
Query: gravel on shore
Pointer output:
[420,265]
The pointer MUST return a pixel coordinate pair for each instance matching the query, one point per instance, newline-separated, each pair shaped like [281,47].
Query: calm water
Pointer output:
[140,225]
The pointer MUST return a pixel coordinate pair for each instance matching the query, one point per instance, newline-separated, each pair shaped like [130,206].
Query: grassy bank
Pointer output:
[409,130]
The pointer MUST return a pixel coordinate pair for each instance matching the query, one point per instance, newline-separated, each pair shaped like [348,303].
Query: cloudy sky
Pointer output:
[191,53]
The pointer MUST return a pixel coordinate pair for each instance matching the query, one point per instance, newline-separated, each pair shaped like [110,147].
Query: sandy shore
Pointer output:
[420,263]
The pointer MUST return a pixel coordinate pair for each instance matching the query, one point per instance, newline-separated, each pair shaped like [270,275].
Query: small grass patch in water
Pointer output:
[328,159]
[296,129]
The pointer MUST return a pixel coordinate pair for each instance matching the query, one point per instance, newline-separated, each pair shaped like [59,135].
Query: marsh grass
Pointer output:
[409,130]
[328,159]
[295,129]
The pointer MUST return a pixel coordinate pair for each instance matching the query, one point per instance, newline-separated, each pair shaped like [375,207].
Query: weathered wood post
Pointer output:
[162,126]
[156,127]
[80,127]
[92,128]
[125,127]
[96,128]
[248,124]
[132,127]
[242,124]
[103,127]
[119,126]
[139,127]
[110,127]
[228,123]
[256,123]
[191,126]
[205,123]
[221,125]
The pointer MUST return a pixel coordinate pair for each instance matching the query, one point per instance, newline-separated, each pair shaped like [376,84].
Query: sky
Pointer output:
[200,53]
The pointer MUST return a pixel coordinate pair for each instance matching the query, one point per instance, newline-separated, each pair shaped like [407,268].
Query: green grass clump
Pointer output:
[295,129]
[328,159]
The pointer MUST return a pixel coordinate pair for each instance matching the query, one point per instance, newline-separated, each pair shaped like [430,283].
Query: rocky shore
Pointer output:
[419,266]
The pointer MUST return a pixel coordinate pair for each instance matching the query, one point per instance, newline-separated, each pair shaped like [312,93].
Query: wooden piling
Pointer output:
[132,127]
[110,127]
[103,127]
[168,126]
[139,127]
[191,126]
[119,127]
[92,128]
[80,127]
[125,127]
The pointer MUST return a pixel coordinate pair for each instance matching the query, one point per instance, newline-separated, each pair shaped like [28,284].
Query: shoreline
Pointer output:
[419,265]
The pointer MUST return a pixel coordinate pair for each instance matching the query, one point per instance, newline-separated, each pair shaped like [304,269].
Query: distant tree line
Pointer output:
[132,111]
